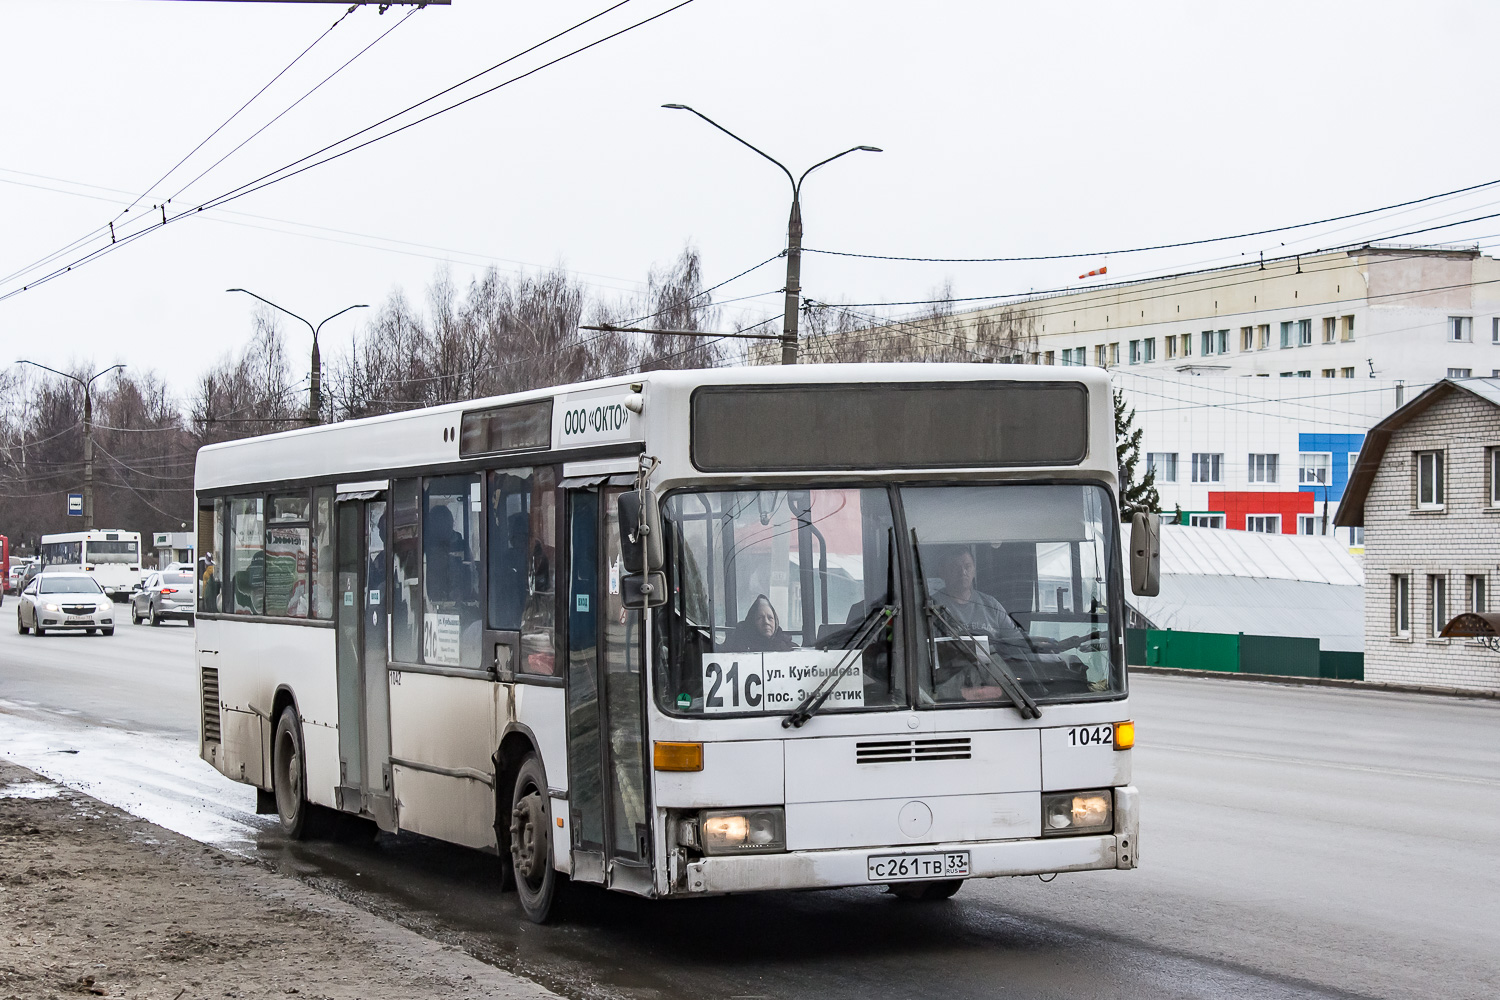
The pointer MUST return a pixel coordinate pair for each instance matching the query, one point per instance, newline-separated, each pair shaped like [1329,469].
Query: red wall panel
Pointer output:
[1237,505]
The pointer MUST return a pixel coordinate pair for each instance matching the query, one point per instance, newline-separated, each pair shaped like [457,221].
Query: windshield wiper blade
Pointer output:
[869,627]
[998,669]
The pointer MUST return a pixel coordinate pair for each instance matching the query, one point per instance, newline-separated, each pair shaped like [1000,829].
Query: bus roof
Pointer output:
[96,535]
[428,438]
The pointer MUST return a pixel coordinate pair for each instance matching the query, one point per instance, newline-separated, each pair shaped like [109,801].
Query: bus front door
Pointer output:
[364,698]
[611,834]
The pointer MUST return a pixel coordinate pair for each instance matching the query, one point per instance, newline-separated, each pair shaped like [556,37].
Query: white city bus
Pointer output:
[112,558]
[871,631]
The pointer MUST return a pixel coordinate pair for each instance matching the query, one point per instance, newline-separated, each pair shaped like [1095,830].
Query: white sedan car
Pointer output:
[64,600]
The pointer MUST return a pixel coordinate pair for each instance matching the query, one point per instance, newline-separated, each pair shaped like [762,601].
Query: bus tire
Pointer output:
[539,885]
[288,775]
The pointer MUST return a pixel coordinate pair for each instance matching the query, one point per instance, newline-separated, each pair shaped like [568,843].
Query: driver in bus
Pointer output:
[981,615]
[760,632]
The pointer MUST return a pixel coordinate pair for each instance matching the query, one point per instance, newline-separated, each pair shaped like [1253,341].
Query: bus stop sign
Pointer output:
[75,504]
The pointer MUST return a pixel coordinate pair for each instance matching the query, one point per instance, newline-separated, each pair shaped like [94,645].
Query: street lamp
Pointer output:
[315,389]
[88,435]
[793,232]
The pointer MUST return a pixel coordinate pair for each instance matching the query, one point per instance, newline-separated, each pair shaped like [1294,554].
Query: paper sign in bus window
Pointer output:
[773,682]
[440,640]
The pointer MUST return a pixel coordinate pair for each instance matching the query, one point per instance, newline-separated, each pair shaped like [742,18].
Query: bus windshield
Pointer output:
[771,590]
[775,592]
[1015,582]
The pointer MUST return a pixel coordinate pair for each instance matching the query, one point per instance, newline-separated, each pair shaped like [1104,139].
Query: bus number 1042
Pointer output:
[1091,736]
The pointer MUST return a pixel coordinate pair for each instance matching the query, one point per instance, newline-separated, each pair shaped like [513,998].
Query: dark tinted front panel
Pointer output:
[521,427]
[889,426]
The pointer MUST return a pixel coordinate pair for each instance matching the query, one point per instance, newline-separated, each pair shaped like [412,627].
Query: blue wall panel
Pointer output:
[1339,445]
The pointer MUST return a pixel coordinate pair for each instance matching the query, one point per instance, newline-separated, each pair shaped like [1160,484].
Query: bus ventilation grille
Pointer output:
[211,732]
[898,751]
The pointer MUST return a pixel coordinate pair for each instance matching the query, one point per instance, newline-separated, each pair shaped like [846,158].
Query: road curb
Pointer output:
[1447,692]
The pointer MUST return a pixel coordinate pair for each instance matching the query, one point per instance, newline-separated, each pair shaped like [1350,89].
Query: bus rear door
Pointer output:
[364,699]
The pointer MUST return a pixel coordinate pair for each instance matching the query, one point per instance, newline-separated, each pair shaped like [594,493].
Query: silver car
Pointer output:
[164,594]
[64,600]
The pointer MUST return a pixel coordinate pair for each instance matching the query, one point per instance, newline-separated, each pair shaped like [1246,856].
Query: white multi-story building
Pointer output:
[1269,455]
[1414,313]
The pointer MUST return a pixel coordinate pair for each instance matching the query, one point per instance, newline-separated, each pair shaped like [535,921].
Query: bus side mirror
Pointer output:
[643,590]
[641,547]
[1145,555]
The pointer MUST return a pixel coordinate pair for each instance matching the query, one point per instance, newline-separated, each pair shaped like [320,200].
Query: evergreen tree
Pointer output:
[1134,496]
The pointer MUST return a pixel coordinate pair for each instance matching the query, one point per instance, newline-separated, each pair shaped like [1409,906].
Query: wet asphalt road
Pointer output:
[1295,842]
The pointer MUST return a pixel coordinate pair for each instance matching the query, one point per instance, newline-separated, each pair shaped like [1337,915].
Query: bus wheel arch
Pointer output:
[515,746]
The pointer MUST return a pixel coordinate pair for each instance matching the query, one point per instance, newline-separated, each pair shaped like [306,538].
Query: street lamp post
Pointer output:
[88,435]
[793,232]
[315,386]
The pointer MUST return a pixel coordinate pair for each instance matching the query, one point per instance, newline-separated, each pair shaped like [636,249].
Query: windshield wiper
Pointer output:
[864,633]
[998,669]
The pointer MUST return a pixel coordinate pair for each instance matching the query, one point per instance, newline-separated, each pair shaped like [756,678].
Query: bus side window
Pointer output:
[247,570]
[522,513]
[210,539]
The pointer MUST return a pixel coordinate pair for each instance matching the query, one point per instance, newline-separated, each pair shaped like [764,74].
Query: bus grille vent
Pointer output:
[899,751]
[211,731]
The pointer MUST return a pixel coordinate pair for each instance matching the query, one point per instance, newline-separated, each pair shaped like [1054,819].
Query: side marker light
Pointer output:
[677,756]
[1124,735]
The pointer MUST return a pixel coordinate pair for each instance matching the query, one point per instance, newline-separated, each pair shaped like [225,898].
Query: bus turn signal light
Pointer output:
[678,757]
[1124,735]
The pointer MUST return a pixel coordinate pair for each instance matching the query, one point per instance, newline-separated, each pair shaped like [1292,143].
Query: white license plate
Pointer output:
[913,867]
[79,621]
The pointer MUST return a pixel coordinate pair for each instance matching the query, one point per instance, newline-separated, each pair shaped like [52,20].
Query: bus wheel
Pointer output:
[286,775]
[538,883]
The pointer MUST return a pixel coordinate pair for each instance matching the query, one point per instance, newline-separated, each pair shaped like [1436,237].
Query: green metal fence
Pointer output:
[1239,653]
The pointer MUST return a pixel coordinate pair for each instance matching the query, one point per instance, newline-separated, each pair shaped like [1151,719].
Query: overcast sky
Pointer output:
[1009,129]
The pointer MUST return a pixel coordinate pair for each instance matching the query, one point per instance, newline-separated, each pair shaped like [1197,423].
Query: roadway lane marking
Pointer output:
[1277,759]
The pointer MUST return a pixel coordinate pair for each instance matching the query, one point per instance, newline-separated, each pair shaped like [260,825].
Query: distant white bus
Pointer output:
[112,558]
[872,633]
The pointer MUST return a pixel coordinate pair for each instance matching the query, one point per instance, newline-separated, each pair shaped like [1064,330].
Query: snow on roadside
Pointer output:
[156,777]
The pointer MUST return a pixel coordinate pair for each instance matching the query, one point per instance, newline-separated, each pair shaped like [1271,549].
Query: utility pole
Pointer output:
[315,383]
[793,232]
[88,435]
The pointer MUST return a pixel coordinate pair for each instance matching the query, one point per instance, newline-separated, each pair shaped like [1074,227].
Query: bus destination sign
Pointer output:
[775,682]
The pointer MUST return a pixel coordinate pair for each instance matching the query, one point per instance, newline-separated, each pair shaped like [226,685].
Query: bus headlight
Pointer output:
[1066,813]
[743,831]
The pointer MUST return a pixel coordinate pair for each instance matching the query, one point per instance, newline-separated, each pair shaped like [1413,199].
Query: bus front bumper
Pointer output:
[987,859]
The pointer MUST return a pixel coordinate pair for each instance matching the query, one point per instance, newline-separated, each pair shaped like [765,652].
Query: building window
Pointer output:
[1346,373]
[1207,467]
[1494,456]
[1263,468]
[1288,374]
[1114,354]
[1206,520]
[1401,605]
[1353,461]
[1051,358]
[1305,373]
[1171,345]
[1264,331]
[1265,524]
[1288,334]
[1101,357]
[1460,329]
[1150,343]
[1164,464]
[1357,537]
[1460,372]
[1328,373]
[1304,333]
[1437,605]
[1330,329]
[1247,338]
[1187,345]
[1135,352]
[1495,330]
[1475,589]
[1310,524]
[1312,468]
[1429,480]
[1208,343]
[1348,327]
